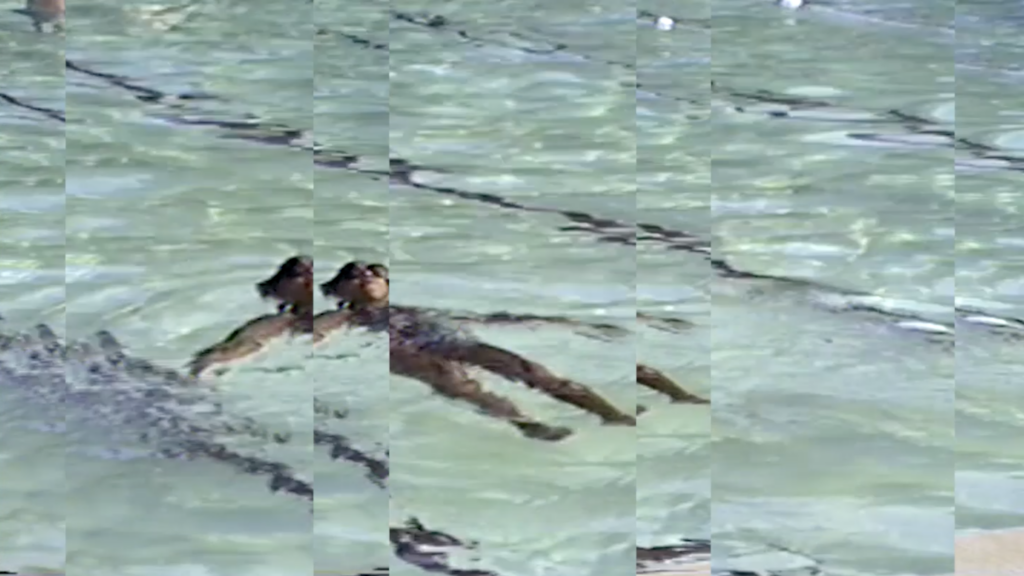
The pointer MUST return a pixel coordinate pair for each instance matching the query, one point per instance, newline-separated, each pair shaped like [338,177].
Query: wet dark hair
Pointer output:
[297,264]
[293,267]
[348,271]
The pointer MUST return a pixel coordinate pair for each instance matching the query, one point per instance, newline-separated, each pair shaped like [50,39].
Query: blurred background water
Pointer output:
[837,435]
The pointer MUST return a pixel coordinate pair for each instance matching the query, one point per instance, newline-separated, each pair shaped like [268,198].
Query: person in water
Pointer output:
[292,287]
[360,287]
[44,12]
[417,344]
[428,350]
[421,347]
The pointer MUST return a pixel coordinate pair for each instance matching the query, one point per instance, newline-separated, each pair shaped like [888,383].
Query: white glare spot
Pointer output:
[664,23]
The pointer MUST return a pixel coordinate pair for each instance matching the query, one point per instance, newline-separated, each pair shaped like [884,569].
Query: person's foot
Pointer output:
[540,431]
[621,420]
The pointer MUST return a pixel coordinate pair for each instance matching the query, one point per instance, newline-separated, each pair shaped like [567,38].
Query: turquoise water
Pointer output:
[836,435]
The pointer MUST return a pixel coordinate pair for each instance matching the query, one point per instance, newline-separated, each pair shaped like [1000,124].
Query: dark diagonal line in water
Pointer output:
[340,447]
[400,170]
[377,469]
[357,40]
[141,92]
[119,390]
[913,124]
[281,476]
[608,230]
[115,354]
[108,390]
[52,113]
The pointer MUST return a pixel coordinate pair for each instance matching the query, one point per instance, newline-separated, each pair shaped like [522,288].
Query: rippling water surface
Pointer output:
[834,433]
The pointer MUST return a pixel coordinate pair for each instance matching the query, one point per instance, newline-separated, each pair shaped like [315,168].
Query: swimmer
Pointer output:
[428,350]
[361,287]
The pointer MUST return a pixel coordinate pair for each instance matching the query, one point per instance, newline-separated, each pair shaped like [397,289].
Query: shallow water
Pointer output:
[837,435]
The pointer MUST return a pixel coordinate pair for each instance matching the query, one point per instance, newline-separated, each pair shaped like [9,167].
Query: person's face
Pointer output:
[359,283]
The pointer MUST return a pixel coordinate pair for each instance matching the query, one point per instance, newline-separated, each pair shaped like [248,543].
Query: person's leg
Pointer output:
[451,381]
[515,367]
[659,382]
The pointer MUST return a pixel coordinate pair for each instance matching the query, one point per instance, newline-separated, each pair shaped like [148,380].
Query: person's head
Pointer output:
[359,284]
[292,284]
